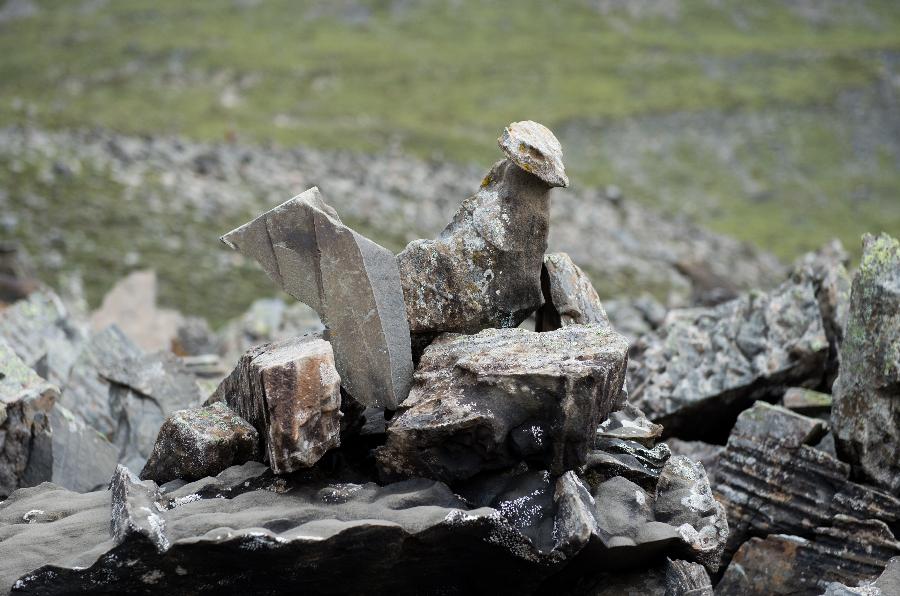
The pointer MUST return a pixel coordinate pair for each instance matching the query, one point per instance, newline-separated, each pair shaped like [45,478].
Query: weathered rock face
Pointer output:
[629,459]
[290,392]
[770,466]
[886,584]
[353,284]
[484,269]
[806,401]
[865,418]
[704,365]
[486,401]
[569,297]
[196,443]
[25,436]
[623,525]
[240,532]
[83,459]
[849,551]
[143,390]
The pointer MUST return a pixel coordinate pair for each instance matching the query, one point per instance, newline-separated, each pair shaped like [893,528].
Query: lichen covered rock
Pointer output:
[202,442]
[569,297]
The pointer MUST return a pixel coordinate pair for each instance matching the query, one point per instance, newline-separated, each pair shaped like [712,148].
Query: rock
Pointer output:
[769,466]
[231,534]
[886,584]
[25,435]
[265,321]
[349,280]
[487,401]
[290,392]
[484,269]
[131,306]
[629,459]
[848,552]
[698,451]
[826,269]
[633,317]
[16,276]
[196,443]
[32,326]
[703,366]
[629,424]
[532,147]
[143,391]
[806,401]
[684,578]
[569,297]
[83,459]
[194,337]
[865,417]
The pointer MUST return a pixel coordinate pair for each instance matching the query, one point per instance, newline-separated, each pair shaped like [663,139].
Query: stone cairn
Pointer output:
[427,442]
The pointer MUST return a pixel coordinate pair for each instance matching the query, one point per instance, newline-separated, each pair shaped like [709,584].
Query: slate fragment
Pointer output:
[25,435]
[83,459]
[865,417]
[353,284]
[484,269]
[290,392]
[684,578]
[201,442]
[569,297]
[487,401]
[694,374]
[806,401]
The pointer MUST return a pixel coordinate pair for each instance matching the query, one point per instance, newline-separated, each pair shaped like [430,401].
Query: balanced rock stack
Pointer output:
[428,442]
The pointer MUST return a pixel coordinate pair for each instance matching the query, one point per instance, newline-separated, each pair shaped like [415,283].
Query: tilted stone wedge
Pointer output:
[484,268]
[532,147]
[352,282]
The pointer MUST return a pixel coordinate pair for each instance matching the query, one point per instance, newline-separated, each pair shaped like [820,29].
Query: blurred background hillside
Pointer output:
[133,134]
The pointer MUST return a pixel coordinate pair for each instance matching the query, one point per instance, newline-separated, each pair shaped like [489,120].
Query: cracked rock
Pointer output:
[703,366]
[202,442]
[290,392]
[865,417]
[484,269]
[25,435]
[353,284]
[487,401]
[569,297]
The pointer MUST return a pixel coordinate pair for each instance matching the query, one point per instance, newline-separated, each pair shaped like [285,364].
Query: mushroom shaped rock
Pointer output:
[352,282]
[484,269]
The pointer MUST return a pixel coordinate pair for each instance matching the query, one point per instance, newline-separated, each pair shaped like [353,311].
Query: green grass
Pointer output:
[442,79]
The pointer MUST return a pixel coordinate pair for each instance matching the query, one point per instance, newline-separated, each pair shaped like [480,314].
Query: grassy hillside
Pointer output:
[774,121]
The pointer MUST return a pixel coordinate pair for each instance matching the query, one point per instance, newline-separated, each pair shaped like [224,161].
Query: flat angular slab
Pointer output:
[569,296]
[83,459]
[703,366]
[202,442]
[352,282]
[535,149]
[25,436]
[486,401]
[865,418]
[290,392]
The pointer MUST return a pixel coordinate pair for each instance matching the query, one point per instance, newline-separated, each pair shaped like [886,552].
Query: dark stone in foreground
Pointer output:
[704,365]
[353,284]
[196,443]
[865,418]
[487,401]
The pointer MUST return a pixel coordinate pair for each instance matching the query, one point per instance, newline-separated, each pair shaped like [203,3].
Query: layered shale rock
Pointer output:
[886,584]
[484,269]
[290,392]
[695,373]
[866,413]
[487,401]
[569,297]
[353,284]
[847,552]
[25,436]
[195,443]
[772,480]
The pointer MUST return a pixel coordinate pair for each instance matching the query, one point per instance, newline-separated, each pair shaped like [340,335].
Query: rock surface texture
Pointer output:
[704,365]
[290,392]
[196,443]
[569,297]
[866,413]
[352,282]
[486,401]
[484,269]
[25,436]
